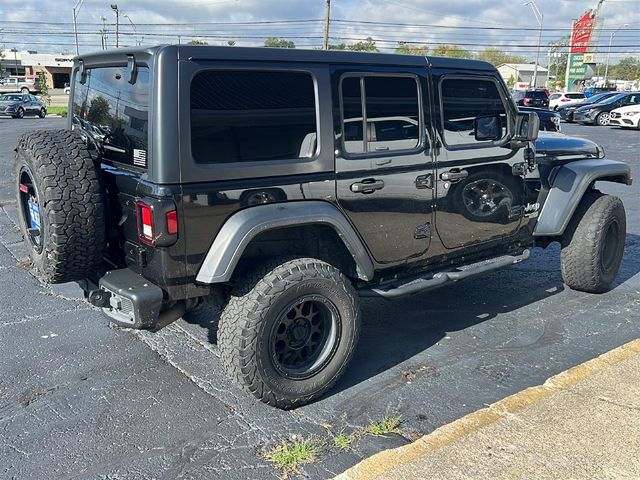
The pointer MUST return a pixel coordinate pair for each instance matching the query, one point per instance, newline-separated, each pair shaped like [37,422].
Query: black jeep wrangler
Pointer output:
[285,185]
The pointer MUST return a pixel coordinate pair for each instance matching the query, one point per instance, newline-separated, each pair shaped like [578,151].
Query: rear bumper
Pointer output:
[126,297]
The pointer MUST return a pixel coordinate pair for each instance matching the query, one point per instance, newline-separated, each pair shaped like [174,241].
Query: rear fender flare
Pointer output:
[243,226]
[569,185]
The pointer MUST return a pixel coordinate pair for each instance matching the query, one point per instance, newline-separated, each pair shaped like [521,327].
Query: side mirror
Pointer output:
[487,128]
[527,127]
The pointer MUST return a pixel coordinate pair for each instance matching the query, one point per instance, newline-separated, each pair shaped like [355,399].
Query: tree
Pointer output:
[627,69]
[44,88]
[98,111]
[559,59]
[451,51]
[406,49]
[197,42]
[276,42]
[338,46]
[496,57]
[367,45]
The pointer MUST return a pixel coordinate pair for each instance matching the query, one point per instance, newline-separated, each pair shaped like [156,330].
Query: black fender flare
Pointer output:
[239,229]
[570,183]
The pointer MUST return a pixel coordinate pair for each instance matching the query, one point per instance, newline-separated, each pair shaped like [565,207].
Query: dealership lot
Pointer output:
[81,399]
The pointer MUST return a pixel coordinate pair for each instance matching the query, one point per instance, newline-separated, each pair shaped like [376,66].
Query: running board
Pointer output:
[439,279]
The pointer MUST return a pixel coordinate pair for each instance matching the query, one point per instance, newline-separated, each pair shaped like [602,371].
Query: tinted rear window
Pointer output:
[252,116]
[575,95]
[113,114]
[539,94]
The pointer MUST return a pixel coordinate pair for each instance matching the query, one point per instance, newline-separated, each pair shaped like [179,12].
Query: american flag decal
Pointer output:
[139,157]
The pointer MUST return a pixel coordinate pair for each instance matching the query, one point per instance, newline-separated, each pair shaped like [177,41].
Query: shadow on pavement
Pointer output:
[395,331]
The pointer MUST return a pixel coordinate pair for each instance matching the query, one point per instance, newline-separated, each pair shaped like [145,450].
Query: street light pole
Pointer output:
[114,7]
[613,34]
[540,18]
[76,10]
[135,30]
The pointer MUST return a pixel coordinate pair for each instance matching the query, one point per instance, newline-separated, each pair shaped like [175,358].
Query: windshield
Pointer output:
[10,98]
[113,114]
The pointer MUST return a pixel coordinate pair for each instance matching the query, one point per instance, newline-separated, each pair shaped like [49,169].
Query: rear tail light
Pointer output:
[172,222]
[526,100]
[157,222]
[145,223]
[565,100]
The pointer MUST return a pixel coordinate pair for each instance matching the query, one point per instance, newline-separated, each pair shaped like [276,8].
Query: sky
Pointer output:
[474,24]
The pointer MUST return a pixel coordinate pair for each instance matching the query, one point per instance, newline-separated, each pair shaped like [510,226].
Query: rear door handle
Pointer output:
[368,185]
[454,177]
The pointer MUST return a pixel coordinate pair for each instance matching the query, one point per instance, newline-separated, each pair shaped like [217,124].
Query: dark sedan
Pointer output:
[20,105]
[549,121]
[598,114]
[566,111]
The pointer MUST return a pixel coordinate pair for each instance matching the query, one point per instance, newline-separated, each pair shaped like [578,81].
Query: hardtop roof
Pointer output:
[211,53]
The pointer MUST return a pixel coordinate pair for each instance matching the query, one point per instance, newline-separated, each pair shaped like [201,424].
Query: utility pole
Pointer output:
[327,16]
[103,33]
[135,30]
[540,18]
[76,10]
[114,7]
[613,34]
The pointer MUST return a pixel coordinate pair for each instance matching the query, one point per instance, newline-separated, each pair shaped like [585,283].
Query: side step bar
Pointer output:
[439,279]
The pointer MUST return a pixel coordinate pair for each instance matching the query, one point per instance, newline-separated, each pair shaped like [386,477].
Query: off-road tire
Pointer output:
[599,222]
[248,318]
[71,204]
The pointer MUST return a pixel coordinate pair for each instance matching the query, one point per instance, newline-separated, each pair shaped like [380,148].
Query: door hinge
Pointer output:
[422,231]
[424,181]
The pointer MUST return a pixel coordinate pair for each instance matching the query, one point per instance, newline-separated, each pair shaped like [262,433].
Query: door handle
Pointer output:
[454,177]
[368,185]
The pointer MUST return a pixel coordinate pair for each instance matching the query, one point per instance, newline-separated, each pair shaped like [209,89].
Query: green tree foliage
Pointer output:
[338,46]
[276,42]
[559,59]
[406,49]
[496,57]
[451,51]
[98,111]
[197,42]
[44,88]
[627,69]
[367,45]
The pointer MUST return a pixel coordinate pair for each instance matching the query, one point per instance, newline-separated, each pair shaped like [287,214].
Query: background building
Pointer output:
[520,75]
[56,67]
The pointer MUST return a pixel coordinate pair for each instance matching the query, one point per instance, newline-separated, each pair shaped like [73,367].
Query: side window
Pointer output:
[463,101]
[252,116]
[390,114]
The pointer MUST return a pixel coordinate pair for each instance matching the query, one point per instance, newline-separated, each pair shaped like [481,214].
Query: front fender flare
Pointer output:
[239,229]
[569,185]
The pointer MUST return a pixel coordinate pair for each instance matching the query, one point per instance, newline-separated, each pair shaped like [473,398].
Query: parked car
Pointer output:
[625,117]
[598,114]
[257,196]
[19,84]
[567,110]
[20,105]
[549,121]
[591,91]
[531,98]
[559,98]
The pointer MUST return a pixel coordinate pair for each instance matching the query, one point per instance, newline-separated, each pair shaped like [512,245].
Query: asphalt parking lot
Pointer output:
[82,399]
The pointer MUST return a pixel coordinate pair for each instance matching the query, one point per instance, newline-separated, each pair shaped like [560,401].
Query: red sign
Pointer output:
[582,30]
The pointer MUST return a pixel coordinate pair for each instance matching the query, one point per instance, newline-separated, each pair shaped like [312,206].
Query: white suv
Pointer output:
[558,98]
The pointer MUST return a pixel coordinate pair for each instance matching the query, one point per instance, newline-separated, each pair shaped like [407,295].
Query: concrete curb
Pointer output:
[378,464]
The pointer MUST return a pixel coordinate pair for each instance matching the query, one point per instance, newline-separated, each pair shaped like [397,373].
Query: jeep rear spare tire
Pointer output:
[289,330]
[593,244]
[60,205]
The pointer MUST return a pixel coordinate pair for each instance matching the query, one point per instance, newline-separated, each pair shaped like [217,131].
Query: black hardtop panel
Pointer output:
[215,53]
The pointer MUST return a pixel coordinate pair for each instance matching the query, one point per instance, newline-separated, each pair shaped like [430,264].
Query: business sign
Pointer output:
[582,33]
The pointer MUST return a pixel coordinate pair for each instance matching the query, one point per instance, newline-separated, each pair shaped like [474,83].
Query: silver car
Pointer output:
[19,105]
